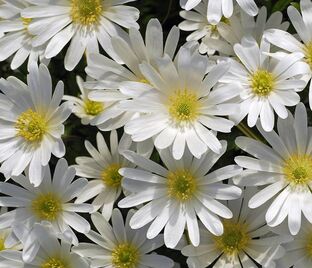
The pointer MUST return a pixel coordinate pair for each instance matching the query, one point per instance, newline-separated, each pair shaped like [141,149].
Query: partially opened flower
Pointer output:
[290,43]
[175,195]
[246,241]
[284,169]
[102,170]
[182,109]
[217,9]
[119,246]
[266,84]
[51,202]
[31,122]
[17,40]
[83,23]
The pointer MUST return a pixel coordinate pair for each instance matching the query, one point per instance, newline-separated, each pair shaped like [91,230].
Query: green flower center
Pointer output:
[93,107]
[262,83]
[86,12]
[183,106]
[54,262]
[2,246]
[298,169]
[125,256]
[31,126]
[47,206]
[181,185]
[111,176]
[234,238]
[308,53]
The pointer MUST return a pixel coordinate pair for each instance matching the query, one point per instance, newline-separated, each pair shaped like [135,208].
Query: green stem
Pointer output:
[248,132]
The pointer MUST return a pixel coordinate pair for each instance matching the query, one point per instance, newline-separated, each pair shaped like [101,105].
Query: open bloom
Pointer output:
[182,109]
[17,40]
[83,22]
[217,9]
[120,246]
[265,84]
[102,168]
[51,202]
[285,169]
[175,195]
[31,122]
[290,43]
[245,242]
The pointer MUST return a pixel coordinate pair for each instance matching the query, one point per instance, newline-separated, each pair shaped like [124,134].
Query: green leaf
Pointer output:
[281,5]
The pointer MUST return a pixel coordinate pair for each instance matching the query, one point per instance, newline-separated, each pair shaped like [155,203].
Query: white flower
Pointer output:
[239,25]
[17,39]
[50,202]
[217,9]
[85,22]
[290,43]
[50,253]
[299,250]
[265,84]
[120,246]
[246,240]
[31,122]
[103,169]
[11,258]
[175,195]
[130,79]
[285,169]
[182,106]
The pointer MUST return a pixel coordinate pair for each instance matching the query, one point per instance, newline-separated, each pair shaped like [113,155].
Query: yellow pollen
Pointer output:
[111,177]
[86,12]
[308,53]
[181,185]
[54,262]
[262,83]
[2,246]
[47,206]
[234,238]
[31,126]
[184,106]
[125,256]
[26,22]
[93,107]
[298,169]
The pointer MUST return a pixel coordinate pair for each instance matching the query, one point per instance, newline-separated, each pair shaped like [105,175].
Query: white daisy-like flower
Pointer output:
[119,246]
[102,168]
[51,201]
[11,258]
[246,241]
[129,79]
[265,84]
[175,195]
[50,254]
[299,250]
[17,40]
[182,109]
[104,113]
[31,122]
[83,22]
[302,23]
[217,9]
[232,30]
[284,169]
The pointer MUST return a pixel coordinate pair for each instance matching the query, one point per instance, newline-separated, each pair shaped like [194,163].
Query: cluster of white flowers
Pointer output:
[161,181]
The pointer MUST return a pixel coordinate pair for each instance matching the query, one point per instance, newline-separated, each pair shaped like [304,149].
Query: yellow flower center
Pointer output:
[181,185]
[2,246]
[47,206]
[183,106]
[234,238]
[31,126]
[125,256]
[308,53]
[262,83]
[298,169]
[111,176]
[54,262]
[86,12]
[26,22]
[93,107]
